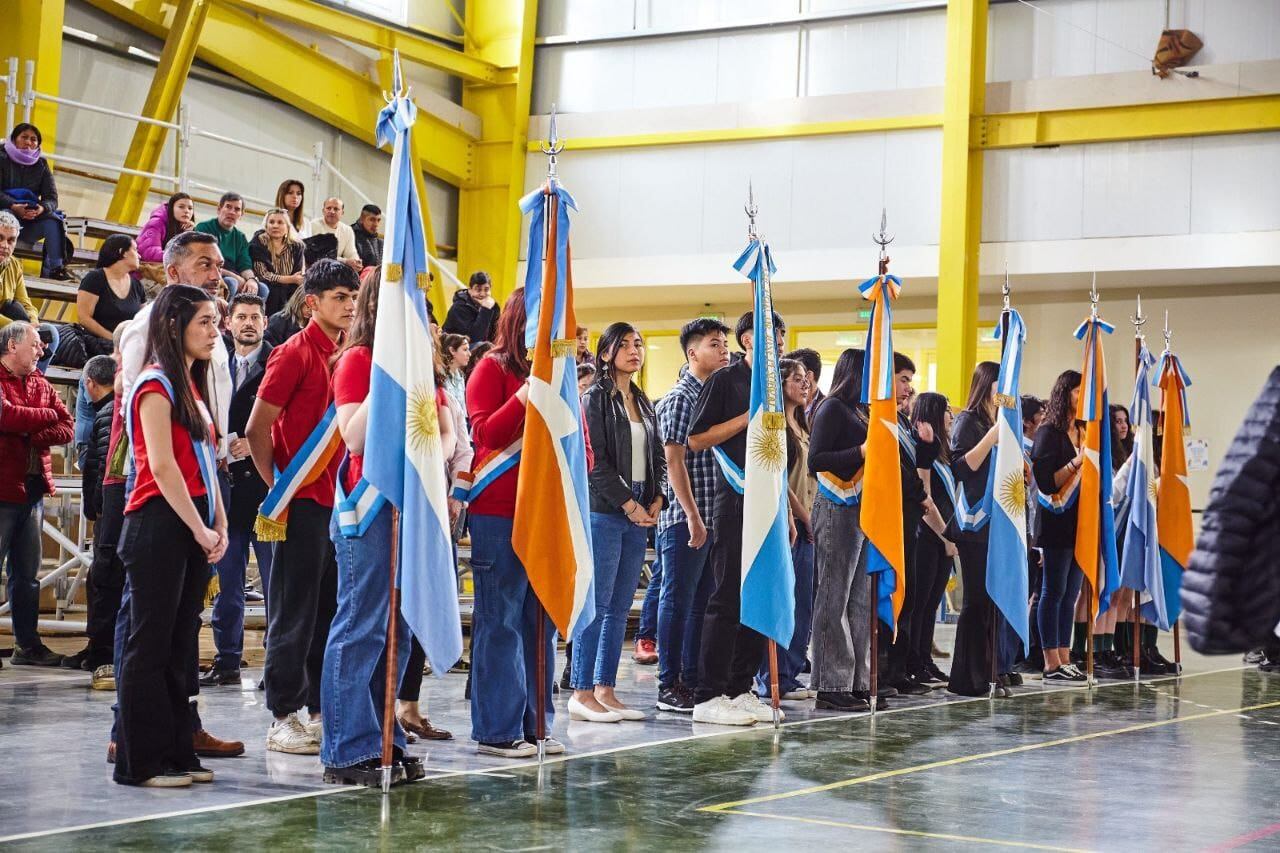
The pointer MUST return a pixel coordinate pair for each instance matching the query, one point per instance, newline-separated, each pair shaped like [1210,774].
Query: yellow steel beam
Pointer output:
[502,32]
[32,31]
[746,134]
[1127,122]
[300,76]
[959,239]
[179,51]
[361,30]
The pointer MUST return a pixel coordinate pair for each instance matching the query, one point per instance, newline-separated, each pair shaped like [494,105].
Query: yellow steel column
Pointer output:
[961,231]
[33,32]
[501,32]
[161,103]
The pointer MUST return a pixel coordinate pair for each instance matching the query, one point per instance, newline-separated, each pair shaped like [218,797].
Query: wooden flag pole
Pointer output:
[992,633]
[1088,632]
[1136,616]
[774,692]
[875,644]
[540,693]
[389,689]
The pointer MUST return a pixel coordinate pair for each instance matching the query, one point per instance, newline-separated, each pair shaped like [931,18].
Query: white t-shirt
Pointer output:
[639,460]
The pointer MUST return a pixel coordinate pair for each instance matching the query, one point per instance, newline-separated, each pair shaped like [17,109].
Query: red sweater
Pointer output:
[32,419]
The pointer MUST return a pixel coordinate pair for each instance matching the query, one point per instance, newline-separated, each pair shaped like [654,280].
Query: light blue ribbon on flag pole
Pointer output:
[1140,559]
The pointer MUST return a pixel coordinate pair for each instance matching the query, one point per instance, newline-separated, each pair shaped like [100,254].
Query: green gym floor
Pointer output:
[1170,764]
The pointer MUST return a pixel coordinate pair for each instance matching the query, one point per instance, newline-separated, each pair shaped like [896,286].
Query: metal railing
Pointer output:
[26,96]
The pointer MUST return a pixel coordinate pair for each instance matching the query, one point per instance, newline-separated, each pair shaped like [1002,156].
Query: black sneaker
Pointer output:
[882,703]
[908,687]
[41,655]
[1269,665]
[884,691]
[1254,657]
[219,677]
[1058,674]
[675,700]
[77,661]
[937,673]
[840,701]
[564,678]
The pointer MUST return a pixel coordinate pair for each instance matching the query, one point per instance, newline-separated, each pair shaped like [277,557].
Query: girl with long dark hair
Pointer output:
[174,526]
[289,197]
[109,294]
[627,484]
[934,551]
[167,221]
[973,436]
[1056,458]
[841,618]
[504,622]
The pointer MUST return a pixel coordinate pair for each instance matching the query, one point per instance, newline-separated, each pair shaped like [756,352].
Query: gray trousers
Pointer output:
[841,615]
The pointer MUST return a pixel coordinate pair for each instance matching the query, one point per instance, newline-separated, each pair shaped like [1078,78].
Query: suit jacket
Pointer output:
[247,488]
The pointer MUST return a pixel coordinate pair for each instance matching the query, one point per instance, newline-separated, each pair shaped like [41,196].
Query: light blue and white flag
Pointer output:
[1140,561]
[1007,487]
[403,457]
[768,576]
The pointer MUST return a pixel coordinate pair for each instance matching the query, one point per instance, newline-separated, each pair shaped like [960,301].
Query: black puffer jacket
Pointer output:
[470,318]
[1231,590]
[610,433]
[93,462]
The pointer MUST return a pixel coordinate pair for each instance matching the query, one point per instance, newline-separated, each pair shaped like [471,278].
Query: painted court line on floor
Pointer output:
[499,772]
[981,756]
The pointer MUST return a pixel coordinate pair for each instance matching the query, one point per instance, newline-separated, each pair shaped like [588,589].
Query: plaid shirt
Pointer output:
[675,415]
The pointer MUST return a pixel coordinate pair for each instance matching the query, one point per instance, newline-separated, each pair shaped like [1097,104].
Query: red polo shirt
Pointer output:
[297,380]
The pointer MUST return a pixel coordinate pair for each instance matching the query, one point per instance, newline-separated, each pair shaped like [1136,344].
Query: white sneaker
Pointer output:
[551,746]
[515,749]
[315,728]
[750,703]
[291,736]
[798,695]
[721,712]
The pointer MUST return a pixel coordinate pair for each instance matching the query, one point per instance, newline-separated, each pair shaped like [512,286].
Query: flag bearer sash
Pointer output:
[206,456]
[306,466]
[838,491]
[355,511]
[468,485]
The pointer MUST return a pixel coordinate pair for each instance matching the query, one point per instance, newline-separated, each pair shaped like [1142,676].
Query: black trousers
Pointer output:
[730,653]
[933,570]
[411,682]
[899,661]
[106,577]
[971,663]
[168,573]
[304,597]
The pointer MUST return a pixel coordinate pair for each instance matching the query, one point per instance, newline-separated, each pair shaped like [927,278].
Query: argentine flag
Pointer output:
[1140,561]
[768,576]
[403,457]
[1007,487]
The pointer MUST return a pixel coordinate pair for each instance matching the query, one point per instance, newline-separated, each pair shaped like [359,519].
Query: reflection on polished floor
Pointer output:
[1172,764]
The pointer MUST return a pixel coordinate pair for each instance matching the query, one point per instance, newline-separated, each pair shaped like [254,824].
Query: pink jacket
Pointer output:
[151,240]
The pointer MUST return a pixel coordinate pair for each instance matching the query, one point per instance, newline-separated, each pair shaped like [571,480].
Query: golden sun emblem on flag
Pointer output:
[1013,493]
[768,447]
[423,419]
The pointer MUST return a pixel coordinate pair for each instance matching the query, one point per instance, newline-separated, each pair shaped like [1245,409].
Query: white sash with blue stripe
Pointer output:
[355,511]
[206,456]
[737,479]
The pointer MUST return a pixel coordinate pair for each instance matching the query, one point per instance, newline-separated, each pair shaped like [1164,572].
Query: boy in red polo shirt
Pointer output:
[292,401]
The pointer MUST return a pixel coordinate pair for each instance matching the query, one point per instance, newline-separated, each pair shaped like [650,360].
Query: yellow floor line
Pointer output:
[941,836]
[966,759]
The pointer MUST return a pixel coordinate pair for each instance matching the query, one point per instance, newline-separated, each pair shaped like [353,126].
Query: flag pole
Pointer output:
[993,632]
[1138,321]
[875,644]
[1090,614]
[776,702]
[389,690]
[1177,634]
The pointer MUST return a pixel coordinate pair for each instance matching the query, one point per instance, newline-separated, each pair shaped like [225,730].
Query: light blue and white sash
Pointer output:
[355,511]
[735,475]
[206,455]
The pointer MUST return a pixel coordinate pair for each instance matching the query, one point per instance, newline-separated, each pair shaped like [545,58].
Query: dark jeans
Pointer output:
[900,662]
[228,606]
[679,628]
[730,652]
[1057,606]
[106,577]
[168,573]
[648,627]
[49,230]
[933,570]
[304,596]
[971,663]
[20,558]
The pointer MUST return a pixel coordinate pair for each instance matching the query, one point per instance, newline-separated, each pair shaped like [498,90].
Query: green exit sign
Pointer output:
[712,315]
[864,314]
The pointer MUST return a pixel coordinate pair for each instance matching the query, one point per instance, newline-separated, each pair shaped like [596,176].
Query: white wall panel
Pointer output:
[755,66]
[853,56]
[687,66]
[837,190]
[913,191]
[585,17]
[660,202]
[1239,30]
[1033,194]
[1234,182]
[922,50]
[1133,25]
[1137,188]
[585,78]
[729,167]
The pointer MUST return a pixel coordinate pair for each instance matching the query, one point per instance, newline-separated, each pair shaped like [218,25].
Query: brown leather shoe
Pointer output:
[208,746]
[111,752]
[426,731]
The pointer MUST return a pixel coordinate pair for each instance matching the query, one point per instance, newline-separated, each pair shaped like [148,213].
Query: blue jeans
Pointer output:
[43,366]
[48,228]
[791,659]
[1058,592]
[233,287]
[20,553]
[228,606]
[678,632]
[84,413]
[504,624]
[353,684]
[648,628]
[617,547]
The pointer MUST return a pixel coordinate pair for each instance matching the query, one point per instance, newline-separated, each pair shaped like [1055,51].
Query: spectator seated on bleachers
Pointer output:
[27,190]
[277,259]
[289,320]
[15,304]
[167,221]
[237,265]
[331,223]
[109,294]
[365,229]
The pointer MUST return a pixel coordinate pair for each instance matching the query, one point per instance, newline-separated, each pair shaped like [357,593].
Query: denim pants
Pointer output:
[791,659]
[233,287]
[617,547]
[1060,588]
[20,553]
[842,614]
[48,228]
[684,569]
[228,606]
[648,627]
[504,654]
[353,685]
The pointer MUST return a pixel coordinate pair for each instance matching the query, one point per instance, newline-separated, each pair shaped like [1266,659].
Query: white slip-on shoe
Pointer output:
[624,713]
[290,735]
[721,712]
[583,714]
[750,703]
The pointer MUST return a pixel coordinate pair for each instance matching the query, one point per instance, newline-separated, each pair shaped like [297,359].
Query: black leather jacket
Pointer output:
[93,462]
[610,431]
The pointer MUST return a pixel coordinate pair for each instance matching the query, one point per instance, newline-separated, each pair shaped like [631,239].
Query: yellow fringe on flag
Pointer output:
[211,591]
[395,272]
[424,282]
[563,347]
[268,530]
[773,420]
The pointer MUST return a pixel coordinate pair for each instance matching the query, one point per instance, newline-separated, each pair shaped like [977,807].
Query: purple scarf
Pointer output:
[21,156]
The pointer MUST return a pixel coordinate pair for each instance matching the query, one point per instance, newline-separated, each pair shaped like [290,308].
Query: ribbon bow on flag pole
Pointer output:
[405,463]
[768,576]
[552,529]
[1173,497]
[1095,548]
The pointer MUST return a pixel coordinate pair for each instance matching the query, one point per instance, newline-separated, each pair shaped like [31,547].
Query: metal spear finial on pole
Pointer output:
[1138,321]
[1093,296]
[1004,288]
[552,147]
[883,239]
[1168,333]
[752,210]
